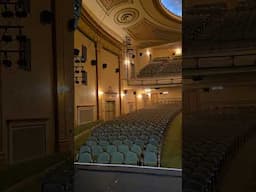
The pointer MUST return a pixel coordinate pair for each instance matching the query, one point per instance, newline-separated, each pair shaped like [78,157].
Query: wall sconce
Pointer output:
[126,61]
[139,96]
[100,93]
[178,51]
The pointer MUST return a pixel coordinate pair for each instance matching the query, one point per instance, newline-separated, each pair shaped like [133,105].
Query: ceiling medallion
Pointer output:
[126,16]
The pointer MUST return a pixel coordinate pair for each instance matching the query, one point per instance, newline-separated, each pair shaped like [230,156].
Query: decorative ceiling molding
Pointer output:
[109,5]
[146,44]
[96,33]
[153,32]
[126,16]
[142,21]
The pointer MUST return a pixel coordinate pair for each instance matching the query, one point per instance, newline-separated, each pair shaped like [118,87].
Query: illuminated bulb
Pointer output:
[148,52]
[178,51]
[101,93]
[122,94]
[139,96]
[126,61]
[165,93]
[147,90]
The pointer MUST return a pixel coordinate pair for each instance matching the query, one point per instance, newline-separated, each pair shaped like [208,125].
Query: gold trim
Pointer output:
[96,33]
[145,20]
[109,11]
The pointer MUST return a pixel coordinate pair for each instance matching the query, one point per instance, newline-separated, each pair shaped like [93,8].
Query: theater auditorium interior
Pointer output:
[127,95]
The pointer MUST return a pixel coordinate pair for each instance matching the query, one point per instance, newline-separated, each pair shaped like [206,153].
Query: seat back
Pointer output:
[103,158]
[117,158]
[85,158]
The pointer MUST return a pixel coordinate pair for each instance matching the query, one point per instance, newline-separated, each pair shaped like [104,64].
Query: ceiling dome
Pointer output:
[173,6]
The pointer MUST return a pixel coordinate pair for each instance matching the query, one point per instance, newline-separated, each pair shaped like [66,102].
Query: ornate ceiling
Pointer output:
[146,22]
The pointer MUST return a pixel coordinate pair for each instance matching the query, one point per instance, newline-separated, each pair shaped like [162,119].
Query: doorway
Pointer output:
[110,110]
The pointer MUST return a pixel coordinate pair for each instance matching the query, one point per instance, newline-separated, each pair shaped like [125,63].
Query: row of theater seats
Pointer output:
[233,28]
[133,139]
[161,67]
[210,140]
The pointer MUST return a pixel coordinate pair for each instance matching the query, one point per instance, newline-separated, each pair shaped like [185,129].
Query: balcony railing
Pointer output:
[173,81]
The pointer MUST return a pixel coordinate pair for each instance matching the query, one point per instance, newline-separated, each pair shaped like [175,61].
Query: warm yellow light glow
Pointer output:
[178,51]
[139,96]
[149,94]
[148,52]
[100,93]
[126,61]
[165,93]
[122,94]
[147,90]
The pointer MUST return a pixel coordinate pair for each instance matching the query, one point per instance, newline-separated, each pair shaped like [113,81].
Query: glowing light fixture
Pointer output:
[139,96]
[122,95]
[100,93]
[178,51]
[147,90]
[126,61]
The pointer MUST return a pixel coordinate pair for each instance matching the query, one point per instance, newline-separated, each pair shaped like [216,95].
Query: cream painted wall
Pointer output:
[109,81]
[85,95]
[141,61]
[174,94]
